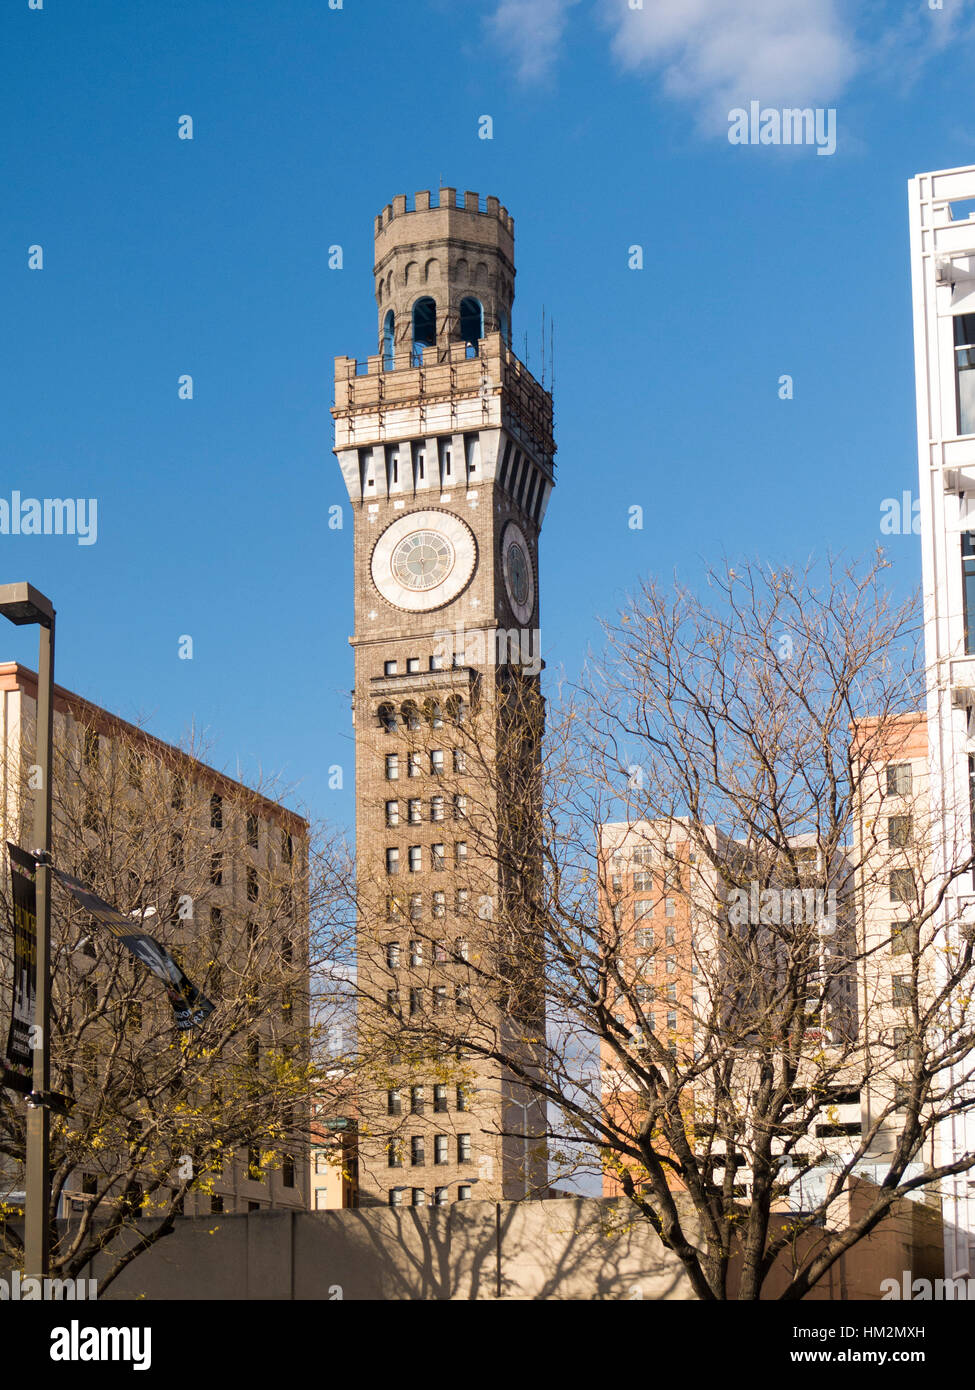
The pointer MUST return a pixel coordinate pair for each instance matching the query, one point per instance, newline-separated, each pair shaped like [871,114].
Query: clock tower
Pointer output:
[445,443]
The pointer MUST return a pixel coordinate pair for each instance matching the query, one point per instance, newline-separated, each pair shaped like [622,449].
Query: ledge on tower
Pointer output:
[428,201]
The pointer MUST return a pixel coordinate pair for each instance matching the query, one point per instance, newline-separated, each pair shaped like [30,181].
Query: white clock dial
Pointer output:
[424,560]
[519,577]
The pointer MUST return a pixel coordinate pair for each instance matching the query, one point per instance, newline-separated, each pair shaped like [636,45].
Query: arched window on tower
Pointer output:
[424,327]
[471,323]
[389,325]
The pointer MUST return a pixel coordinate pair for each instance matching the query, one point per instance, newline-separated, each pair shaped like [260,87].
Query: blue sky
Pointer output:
[210,257]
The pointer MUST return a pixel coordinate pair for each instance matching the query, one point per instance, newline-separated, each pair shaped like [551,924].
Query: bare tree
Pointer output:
[713,870]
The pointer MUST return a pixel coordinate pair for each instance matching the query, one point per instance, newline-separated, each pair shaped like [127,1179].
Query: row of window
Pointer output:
[439,995]
[645,940]
[414,810]
[414,763]
[417,1094]
[414,857]
[398,906]
[441,955]
[411,716]
[441,1150]
[441,1196]
[411,666]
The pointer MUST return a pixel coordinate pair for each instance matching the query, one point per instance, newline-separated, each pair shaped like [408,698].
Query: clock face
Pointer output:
[424,560]
[519,579]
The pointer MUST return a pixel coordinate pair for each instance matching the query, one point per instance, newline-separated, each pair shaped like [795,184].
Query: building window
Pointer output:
[463,998]
[901,985]
[440,1154]
[394,1154]
[392,767]
[394,1102]
[436,762]
[439,947]
[898,779]
[436,808]
[414,812]
[392,955]
[439,999]
[460,900]
[968,582]
[389,668]
[396,1196]
[898,832]
[461,1098]
[669,936]
[436,715]
[253,829]
[252,888]
[643,882]
[392,861]
[419,1197]
[287,1171]
[416,1002]
[965,371]
[670,907]
[643,938]
[392,813]
[460,853]
[471,321]
[412,665]
[441,1196]
[416,859]
[671,965]
[461,948]
[414,767]
[216,869]
[460,760]
[216,811]
[463,1148]
[642,908]
[439,905]
[389,340]
[416,1100]
[411,716]
[463,1193]
[424,325]
[387,718]
[392,1001]
[416,953]
[417,1153]
[436,663]
[901,886]
[440,1100]
[437,856]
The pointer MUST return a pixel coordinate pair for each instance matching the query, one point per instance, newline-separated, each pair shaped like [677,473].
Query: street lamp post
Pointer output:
[23,604]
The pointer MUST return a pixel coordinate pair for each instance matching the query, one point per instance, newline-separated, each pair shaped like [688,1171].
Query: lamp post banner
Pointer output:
[189,1005]
[18,1063]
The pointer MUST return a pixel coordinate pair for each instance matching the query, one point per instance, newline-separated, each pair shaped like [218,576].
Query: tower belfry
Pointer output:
[445,443]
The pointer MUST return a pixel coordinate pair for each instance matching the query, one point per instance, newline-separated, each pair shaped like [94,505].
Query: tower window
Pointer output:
[424,324]
[387,718]
[389,326]
[965,371]
[392,767]
[471,321]
[392,861]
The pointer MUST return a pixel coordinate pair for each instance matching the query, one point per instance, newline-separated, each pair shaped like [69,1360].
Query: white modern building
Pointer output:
[942,212]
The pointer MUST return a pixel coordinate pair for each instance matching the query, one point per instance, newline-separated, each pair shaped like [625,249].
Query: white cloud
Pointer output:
[531,30]
[725,53]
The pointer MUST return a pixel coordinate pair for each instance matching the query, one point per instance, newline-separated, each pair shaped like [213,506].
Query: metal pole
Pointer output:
[37,1216]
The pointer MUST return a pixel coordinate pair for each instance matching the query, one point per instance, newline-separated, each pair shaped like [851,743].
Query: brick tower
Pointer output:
[445,443]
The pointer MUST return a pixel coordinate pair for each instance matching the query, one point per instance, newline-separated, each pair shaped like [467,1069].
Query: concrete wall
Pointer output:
[574,1248]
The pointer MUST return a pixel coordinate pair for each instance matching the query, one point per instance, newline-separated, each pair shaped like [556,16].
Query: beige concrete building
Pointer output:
[445,444]
[173,822]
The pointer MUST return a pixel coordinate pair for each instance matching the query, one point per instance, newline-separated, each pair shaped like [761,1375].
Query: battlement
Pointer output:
[443,199]
[370,395]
